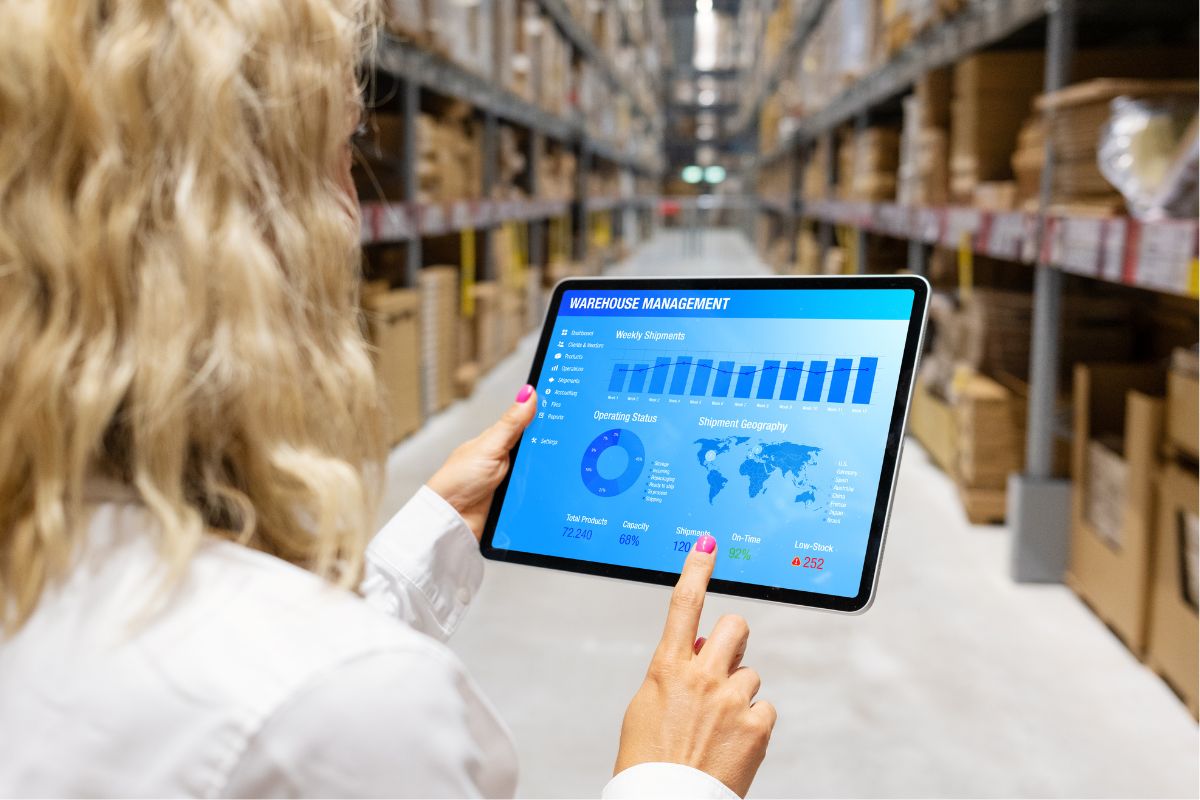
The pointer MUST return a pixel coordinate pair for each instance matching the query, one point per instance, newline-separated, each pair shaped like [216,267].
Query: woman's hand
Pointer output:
[473,471]
[696,706]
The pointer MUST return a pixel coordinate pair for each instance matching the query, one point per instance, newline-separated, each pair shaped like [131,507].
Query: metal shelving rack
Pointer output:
[406,220]
[1159,256]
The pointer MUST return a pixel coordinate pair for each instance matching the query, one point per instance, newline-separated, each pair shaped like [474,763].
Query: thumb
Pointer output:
[504,433]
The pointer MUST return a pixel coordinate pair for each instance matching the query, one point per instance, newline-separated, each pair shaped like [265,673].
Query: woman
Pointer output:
[189,445]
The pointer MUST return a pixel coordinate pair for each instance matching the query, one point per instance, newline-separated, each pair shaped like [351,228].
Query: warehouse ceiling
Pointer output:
[702,78]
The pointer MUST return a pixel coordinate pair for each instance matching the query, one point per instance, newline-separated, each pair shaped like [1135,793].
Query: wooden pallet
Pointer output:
[983,506]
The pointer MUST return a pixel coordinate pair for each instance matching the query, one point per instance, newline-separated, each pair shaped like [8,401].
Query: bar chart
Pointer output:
[809,381]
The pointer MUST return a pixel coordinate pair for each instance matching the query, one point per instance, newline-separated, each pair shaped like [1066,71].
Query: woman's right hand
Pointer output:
[696,706]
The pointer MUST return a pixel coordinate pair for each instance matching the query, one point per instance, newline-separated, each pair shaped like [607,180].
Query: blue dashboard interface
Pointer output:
[759,417]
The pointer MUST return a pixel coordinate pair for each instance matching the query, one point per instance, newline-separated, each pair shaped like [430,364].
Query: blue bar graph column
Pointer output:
[724,375]
[683,366]
[766,384]
[865,380]
[659,379]
[637,377]
[791,380]
[816,381]
[703,374]
[840,380]
[745,381]
[617,382]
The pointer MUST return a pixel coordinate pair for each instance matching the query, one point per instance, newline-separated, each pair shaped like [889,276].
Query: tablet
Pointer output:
[766,412]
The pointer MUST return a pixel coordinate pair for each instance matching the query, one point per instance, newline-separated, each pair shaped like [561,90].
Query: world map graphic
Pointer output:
[757,461]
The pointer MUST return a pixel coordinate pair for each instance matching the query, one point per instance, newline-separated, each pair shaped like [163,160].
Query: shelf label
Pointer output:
[1112,252]
[892,219]
[1164,255]
[928,224]
[433,219]
[1078,245]
[1006,235]
[960,221]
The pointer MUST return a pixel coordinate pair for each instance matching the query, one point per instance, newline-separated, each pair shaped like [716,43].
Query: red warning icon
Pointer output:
[796,561]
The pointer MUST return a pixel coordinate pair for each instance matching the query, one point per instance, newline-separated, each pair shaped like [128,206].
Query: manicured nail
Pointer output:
[699,644]
[706,544]
[523,395]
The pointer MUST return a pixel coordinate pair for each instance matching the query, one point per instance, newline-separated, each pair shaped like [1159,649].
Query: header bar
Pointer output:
[742,303]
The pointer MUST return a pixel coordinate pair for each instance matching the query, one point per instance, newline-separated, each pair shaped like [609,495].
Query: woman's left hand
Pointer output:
[473,471]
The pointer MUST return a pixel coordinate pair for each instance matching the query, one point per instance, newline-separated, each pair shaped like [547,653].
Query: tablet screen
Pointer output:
[760,417]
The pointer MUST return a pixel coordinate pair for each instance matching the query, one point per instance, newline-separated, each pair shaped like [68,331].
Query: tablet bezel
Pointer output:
[887,476]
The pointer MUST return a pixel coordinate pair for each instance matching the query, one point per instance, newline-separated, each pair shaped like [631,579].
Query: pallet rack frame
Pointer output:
[1038,503]
[407,221]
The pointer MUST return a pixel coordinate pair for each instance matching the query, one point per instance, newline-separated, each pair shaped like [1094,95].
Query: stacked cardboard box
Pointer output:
[450,160]
[814,185]
[510,166]
[439,335]
[995,324]
[486,325]
[1117,428]
[808,252]
[869,159]
[393,326]
[992,97]
[463,33]
[557,178]
[990,421]
[535,298]
[923,173]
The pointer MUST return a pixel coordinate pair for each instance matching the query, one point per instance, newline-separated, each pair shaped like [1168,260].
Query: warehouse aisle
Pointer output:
[957,683]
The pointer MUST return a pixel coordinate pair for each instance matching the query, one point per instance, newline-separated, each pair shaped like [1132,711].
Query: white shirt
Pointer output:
[253,677]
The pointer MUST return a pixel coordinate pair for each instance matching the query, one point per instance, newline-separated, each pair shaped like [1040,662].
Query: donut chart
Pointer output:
[593,471]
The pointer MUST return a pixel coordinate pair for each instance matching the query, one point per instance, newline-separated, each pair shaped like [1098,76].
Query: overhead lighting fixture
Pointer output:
[692,174]
[714,174]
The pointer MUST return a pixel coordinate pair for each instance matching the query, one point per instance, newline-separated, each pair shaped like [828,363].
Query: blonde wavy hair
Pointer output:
[178,281]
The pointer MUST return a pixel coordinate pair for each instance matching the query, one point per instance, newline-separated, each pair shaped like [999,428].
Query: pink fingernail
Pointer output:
[698,645]
[706,544]
[524,394]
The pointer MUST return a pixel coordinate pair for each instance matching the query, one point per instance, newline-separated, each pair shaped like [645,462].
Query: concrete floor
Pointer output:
[958,683]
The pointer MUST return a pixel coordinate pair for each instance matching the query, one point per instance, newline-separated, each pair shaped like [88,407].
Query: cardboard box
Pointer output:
[439,335]
[990,422]
[1173,644]
[1183,404]
[393,326]
[489,337]
[1112,510]
[931,422]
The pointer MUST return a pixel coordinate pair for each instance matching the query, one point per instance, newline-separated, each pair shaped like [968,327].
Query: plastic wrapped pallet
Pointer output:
[393,325]
[1078,115]
[439,335]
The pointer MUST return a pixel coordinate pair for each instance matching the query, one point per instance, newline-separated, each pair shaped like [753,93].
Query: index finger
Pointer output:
[687,600]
